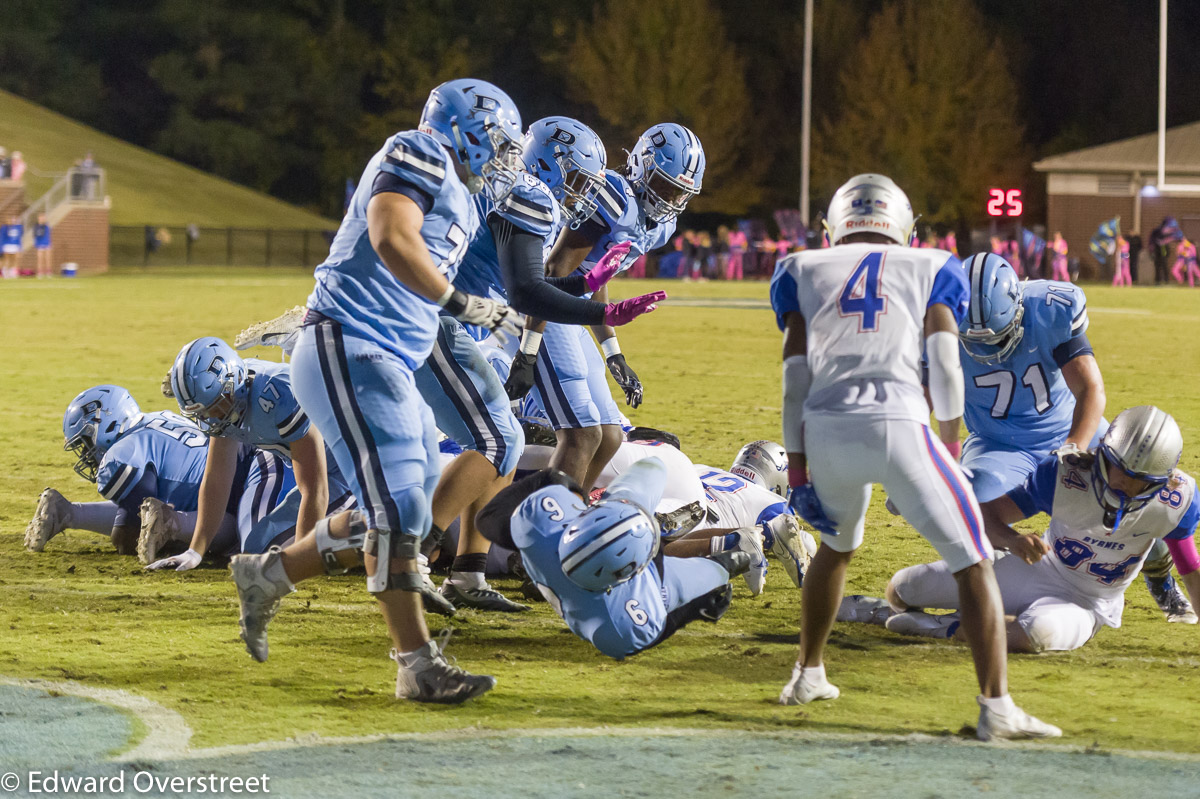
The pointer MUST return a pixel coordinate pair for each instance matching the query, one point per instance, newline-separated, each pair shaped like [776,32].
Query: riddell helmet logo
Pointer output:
[853,223]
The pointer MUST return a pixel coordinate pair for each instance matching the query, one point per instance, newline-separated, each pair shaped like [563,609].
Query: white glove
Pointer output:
[180,563]
[492,315]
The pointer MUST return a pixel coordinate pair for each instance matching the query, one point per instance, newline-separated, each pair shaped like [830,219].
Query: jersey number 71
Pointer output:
[861,296]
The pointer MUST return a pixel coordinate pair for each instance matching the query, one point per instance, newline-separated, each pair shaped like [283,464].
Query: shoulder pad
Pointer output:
[530,206]
[614,201]
[418,159]
[118,473]
[1060,309]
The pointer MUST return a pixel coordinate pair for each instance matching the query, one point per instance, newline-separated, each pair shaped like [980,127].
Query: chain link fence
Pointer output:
[170,245]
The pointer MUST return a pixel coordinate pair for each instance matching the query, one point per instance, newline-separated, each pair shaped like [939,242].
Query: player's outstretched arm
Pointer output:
[998,517]
[215,488]
[312,480]
[1082,375]
[946,385]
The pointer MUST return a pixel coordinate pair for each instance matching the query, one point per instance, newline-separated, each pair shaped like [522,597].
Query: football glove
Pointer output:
[520,375]
[625,311]
[180,563]
[804,503]
[491,315]
[626,378]
[607,267]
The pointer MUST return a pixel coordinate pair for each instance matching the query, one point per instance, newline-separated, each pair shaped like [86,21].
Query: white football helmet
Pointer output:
[870,204]
[764,463]
[1143,442]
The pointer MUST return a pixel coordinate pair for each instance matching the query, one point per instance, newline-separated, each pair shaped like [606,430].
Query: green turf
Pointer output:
[712,376]
[145,187]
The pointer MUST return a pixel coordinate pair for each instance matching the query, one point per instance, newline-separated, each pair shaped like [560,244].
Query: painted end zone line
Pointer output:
[168,734]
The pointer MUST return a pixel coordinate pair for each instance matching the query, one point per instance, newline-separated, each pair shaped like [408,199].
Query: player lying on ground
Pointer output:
[240,403]
[854,412]
[1033,387]
[663,172]
[600,567]
[140,463]
[1106,507]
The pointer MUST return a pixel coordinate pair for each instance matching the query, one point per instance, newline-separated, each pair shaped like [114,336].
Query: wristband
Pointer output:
[954,448]
[610,347]
[446,295]
[530,342]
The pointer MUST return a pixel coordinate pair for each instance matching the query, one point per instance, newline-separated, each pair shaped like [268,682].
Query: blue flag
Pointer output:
[1104,241]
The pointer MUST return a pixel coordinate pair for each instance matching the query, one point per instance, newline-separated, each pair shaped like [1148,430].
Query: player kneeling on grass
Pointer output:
[600,567]
[239,402]
[1107,507]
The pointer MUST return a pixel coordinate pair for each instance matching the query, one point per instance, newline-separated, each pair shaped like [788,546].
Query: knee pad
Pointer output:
[328,545]
[384,546]
[435,539]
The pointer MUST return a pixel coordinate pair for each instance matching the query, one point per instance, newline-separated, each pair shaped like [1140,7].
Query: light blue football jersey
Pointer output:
[356,289]
[174,448]
[530,207]
[619,622]
[1024,401]
[617,206]
[273,418]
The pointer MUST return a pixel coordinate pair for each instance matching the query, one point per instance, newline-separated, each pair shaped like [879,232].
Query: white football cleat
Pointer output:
[51,517]
[865,609]
[927,625]
[261,582]
[800,690]
[1016,724]
[278,332]
[160,526]
[426,676]
[750,541]
[793,546]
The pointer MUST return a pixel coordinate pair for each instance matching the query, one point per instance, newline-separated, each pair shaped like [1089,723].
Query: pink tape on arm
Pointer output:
[1183,552]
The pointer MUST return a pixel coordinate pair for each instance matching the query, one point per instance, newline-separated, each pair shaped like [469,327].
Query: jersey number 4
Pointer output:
[861,295]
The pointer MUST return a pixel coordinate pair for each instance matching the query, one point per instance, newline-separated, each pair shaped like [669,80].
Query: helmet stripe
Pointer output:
[977,289]
[579,556]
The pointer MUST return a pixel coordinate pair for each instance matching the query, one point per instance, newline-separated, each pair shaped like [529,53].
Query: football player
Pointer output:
[503,260]
[1106,507]
[664,171]
[854,413]
[137,458]
[236,403]
[372,321]
[599,566]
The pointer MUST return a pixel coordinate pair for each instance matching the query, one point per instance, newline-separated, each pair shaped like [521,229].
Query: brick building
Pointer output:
[1090,186]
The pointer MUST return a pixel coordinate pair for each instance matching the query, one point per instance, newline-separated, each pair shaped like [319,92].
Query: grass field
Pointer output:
[78,612]
[145,187]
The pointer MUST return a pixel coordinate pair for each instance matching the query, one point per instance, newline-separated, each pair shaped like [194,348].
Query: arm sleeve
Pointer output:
[1036,494]
[574,284]
[950,289]
[524,275]
[785,296]
[130,505]
[415,166]
[945,376]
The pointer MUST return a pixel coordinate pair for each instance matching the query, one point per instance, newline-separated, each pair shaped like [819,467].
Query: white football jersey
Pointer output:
[683,486]
[1096,563]
[734,501]
[864,309]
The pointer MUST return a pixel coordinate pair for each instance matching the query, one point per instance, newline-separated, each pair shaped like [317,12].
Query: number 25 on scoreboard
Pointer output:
[1005,202]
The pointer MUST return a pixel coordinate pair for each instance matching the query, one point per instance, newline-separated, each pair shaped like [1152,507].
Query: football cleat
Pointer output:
[485,598]
[426,676]
[864,609]
[259,596]
[1167,596]
[434,601]
[750,541]
[793,546]
[160,526]
[682,520]
[51,517]
[1015,724]
[278,332]
[801,691]
[927,625]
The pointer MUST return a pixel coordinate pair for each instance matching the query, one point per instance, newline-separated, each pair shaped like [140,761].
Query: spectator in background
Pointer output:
[41,242]
[1135,252]
[16,166]
[950,243]
[1160,251]
[721,247]
[638,269]
[1121,276]
[737,254]
[4,164]
[89,177]
[1058,260]
[705,260]
[1185,263]
[10,245]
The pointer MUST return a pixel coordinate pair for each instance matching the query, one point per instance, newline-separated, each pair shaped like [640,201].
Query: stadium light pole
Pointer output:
[806,112]
[1163,186]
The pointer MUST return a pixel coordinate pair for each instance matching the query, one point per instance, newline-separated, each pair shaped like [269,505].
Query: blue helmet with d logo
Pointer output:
[665,170]
[992,329]
[609,543]
[482,127]
[209,381]
[569,158]
[93,422]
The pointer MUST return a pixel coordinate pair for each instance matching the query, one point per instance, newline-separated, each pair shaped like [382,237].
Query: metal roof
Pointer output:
[1138,154]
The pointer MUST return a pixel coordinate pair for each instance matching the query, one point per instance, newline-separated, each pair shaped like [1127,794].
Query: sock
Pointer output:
[724,543]
[768,535]
[424,653]
[278,575]
[467,570]
[953,628]
[813,675]
[998,704]
[95,517]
